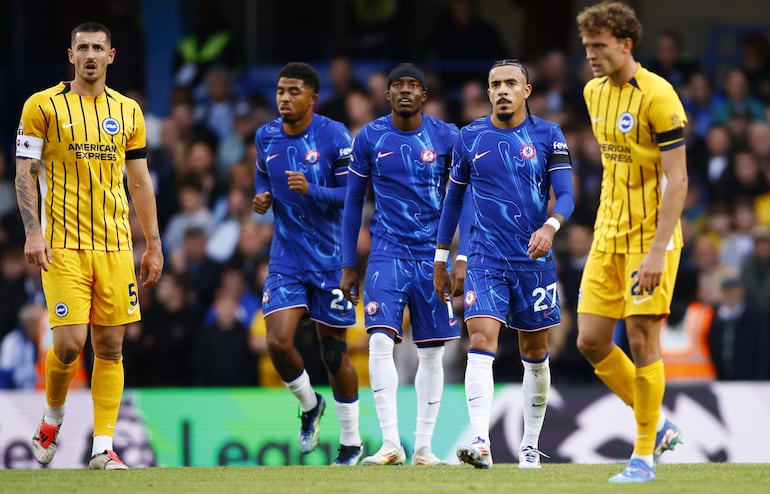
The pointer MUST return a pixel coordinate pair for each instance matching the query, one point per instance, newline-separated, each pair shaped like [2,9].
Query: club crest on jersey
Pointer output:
[470,298]
[625,122]
[312,157]
[266,296]
[428,156]
[528,151]
[110,126]
[61,309]
[372,308]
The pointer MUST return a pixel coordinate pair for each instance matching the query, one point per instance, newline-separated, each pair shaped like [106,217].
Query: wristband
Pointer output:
[442,255]
[553,222]
[461,258]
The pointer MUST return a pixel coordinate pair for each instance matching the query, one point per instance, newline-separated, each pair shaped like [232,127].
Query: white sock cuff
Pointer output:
[480,358]
[381,345]
[426,354]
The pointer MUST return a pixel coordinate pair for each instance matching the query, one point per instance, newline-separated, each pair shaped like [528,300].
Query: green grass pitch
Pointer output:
[700,478]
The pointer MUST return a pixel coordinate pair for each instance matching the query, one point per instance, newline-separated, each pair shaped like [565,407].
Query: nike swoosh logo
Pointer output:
[481,155]
[594,120]
[538,405]
[110,426]
[132,310]
[377,390]
[641,300]
[68,125]
[474,398]
[383,155]
[434,402]
[271,156]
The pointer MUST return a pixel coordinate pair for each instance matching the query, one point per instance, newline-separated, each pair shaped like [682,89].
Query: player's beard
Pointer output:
[407,113]
[505,116]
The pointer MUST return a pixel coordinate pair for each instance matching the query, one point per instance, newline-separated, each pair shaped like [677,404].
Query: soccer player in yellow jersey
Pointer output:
[75,142]
[638,121]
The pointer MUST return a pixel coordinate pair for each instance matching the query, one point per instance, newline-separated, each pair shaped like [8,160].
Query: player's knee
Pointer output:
[332,352]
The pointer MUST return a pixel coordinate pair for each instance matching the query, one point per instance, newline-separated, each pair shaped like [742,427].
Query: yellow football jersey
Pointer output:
[84,143]
[633,123]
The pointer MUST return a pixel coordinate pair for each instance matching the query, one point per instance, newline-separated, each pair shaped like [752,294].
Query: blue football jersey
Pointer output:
[508,171]
[408,173]
[307,228]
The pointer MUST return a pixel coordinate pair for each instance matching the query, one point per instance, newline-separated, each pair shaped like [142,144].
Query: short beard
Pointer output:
[505,117]
[407,113]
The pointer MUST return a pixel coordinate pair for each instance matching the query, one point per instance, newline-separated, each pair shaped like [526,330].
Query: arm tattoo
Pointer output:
[27,194]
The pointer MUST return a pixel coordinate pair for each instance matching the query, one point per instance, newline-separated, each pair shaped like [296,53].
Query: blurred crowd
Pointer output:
[202,324]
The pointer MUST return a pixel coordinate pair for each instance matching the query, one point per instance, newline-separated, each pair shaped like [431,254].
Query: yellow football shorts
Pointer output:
[91,287]
[610,286]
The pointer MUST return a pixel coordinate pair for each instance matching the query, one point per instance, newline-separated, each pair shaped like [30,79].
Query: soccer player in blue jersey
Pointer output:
[406,157]
[302,169]
[511,160]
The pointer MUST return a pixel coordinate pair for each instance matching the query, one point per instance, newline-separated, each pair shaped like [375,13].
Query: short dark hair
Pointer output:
[302,71]
[91,27]
[512,62]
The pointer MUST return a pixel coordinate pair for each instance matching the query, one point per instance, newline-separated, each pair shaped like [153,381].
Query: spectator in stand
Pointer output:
[377,84]
[699,99]
[717,165]
[739,338]
[224,237]
[745,177]
[670,61]
[711,270]
[683,338]
[216,110]
[222,355]
[167,335]
[342,79]
[759,143]
[359,108]
[253,248]
[738,99]
[193,213]
[755,272]
[198,164]
[474,102]
[232,149]
[755,61]
[18,350]
[564,94]
[738,244]
[234,281]
[192,261]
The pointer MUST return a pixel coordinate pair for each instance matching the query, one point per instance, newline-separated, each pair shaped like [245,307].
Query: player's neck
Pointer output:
[406,124]
[298,127]
[624,73]
[85,88]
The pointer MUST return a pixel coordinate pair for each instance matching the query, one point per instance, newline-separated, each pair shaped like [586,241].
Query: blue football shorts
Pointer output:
[523,300]
[391,286]
[317,291]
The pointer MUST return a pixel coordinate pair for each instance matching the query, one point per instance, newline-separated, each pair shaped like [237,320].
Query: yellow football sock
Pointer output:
[649,386]
[106,391]
[617,371]
[58,377]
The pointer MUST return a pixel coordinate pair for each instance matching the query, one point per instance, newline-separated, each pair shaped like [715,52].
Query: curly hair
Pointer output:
[616,17]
